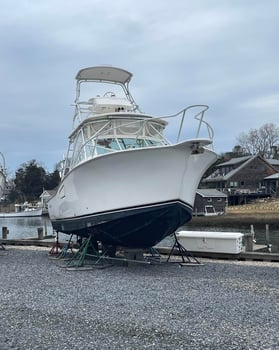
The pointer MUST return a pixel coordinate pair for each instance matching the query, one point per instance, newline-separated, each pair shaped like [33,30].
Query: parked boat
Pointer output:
[23,210]
[122,180]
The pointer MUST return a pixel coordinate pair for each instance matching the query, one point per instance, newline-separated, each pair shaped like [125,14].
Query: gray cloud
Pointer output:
[220,53]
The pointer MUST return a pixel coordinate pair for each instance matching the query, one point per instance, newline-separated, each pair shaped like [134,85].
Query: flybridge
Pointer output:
[105,75]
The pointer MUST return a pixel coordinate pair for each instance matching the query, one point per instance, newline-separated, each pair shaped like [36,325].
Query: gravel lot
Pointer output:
[217,305]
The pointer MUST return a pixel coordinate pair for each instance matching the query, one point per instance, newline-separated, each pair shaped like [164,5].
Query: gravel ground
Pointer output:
[217,305]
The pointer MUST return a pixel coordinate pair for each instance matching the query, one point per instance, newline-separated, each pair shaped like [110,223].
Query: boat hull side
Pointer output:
[130,179]
[139,227]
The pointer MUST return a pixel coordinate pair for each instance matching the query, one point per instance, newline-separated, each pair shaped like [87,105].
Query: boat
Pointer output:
[23,210]
[123,182]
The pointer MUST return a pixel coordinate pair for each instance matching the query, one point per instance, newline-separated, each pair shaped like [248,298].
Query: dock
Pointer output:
[244,256]
[47,242]
[254,256]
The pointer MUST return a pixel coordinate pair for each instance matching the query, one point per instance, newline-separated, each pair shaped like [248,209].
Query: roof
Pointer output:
[272,177]
[210,192]
[242,161]
[234,161]
[274,162]
[47,193]
[105,74]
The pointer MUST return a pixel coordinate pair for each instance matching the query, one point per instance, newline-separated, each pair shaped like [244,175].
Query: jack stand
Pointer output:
[152,255]
[56,246]
[66,247]
[186,256]
[154,252]
[79,257]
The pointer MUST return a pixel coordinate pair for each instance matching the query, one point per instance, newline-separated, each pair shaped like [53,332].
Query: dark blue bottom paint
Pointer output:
[140,227]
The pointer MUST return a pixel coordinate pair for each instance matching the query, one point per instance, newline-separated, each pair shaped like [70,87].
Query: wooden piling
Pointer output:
[267,234]
[5,232]
[249,240]
[40,231]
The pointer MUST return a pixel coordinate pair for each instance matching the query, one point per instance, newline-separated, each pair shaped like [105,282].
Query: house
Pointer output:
[243,176]
[274,163]
[44,199]
[209,202]
[271,184]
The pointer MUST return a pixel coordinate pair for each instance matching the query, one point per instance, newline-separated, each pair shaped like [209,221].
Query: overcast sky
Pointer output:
[221,53]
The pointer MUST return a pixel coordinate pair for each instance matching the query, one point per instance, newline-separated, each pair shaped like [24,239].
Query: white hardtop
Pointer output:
[120,118]
[105,74]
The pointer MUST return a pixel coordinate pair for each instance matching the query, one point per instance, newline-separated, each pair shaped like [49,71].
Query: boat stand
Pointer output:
[186,257]
[2,247]
[65,249]
[56,246]
[77,261]
[153,255]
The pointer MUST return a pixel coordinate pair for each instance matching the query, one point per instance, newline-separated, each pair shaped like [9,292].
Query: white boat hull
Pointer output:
[133,198]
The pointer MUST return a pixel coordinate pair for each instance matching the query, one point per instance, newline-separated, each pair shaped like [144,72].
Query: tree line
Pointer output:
[263,141]
[31,179]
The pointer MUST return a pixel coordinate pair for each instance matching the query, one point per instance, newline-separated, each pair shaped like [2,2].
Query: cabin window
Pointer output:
[107,145]
[209,199]
[89,149]
[116,144]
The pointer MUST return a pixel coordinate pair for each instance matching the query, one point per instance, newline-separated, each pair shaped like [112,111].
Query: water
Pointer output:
[21,227]
[27,228]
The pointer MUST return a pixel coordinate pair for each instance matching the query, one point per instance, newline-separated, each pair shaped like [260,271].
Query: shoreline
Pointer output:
[237,220]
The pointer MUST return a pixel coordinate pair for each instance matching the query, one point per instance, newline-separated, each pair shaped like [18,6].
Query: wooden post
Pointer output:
[267,234]
[45,228]
[249,238]
[40,232]
[5,232]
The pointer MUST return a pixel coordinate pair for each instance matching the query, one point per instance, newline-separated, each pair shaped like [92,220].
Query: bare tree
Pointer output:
[260,141]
